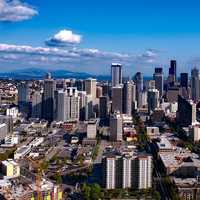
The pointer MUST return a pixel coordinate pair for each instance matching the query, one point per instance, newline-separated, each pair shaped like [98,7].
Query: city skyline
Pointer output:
[63,35]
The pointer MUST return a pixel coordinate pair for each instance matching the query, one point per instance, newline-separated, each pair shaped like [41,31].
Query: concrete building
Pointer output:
[116,127]
[194,131]
[13,112]
[3,131]
[117,98]
[68,104]
[90,87]
[116,74]
[195,84]
[125,171]
[92,129]
[128,98]
[103,107]
[10,169]
[139,88]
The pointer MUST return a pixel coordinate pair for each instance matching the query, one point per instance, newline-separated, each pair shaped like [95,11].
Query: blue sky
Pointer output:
[90,35]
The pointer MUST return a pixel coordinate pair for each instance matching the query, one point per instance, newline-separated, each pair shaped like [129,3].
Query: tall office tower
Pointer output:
[116,74]
[139,88]
[23,98]
[36,111]
[89,114]
[158,77]
[48,107]
[68,104]
[152,100]
[103,104]
[195,84]
[128,98]
[145,171]
[99,91]
[106,89]
[116,127]
[90,87]
[117,98]
[82,105]
[186,114]
[184,80]
[79,84]
[143,99]
[172,73]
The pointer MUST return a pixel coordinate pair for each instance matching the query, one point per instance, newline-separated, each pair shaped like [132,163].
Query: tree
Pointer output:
[86,191]
[95,192]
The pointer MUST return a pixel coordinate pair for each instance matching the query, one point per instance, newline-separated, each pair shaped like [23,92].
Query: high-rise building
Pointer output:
[67,104]
[117,98]
[186,114]
[195,84]
[48,107]
[128,98]
[82,105]
[172,73]
[23,98]
[153,100]
[184,80]
[103,107]
[158,77]
[90,87]
[92,129]
[125,171]
[79,84]
[116,74]
[36,110]
[116,127]
[139,88]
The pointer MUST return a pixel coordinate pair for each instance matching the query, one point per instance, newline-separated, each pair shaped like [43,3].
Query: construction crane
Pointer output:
[37,166]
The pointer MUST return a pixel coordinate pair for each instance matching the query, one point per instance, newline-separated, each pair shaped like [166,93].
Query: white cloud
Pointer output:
[91,60]
[15,10]
[63,38]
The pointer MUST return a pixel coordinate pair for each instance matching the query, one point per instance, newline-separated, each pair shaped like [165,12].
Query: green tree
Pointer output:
[95,192]
[86,191]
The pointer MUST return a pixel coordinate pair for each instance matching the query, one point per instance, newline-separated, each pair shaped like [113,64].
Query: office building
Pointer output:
[92,129]
[48,102]
[152,100]
[68,104]
[103,107]
[117,98]
[158,77]
[82,105]
[128,98]
[116,127]
[23,98]
[10,169]
[116,74]
[172,73]
[36,110]
[195,84]
[186,112]
[8,120]
[184,80]
[90,87]
[139,88]
[194,131]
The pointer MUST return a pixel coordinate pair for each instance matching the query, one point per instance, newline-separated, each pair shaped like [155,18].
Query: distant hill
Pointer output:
[36,73]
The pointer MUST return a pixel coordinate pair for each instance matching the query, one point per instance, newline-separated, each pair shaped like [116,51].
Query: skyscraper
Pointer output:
[23,98]
[127,98]
[117,98]
[139,88]
[152,99]
[116,74]
[195,85]
[172,73]
[36,111]
[116,127]
[184,80]
[48,106]
[103,107]
[90,87]
[68,104]
[158,77]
